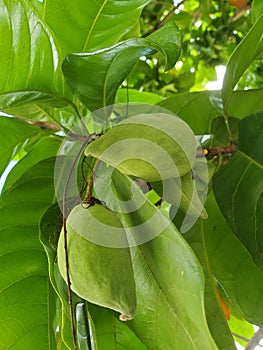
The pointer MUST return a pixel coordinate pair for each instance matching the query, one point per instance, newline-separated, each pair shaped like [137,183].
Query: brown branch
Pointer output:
[166,18]
[55,127]
[254,341]
[216,151]
[46,125]
[43,125]
[79,137]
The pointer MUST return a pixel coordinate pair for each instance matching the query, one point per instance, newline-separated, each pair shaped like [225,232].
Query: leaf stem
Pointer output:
[90,182]
[231,139]
[65,214]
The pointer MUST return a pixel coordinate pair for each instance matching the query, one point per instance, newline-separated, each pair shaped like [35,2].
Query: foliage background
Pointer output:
[46,95]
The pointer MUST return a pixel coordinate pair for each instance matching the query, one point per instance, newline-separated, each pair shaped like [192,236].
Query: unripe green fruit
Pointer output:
[99,274]
[182,194]
[152,147]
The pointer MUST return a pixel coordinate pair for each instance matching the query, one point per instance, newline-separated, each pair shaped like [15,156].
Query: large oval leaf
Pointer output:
[237,273]
[26,297]
[241,104]
[14,133]
[36,35]
[87,25]
[196,237]
[238,187]
[30,55]
[96,76]
[244,54]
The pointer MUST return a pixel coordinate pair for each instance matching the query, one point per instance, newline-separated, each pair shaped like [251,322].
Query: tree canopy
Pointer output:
[131,204]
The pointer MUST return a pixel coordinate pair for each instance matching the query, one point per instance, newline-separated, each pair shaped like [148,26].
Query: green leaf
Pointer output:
[35,36]
[45,147]
[169,280]
[241,104]
[14,134]
[111,333]
[244,54]
[238,187]
[184,106]
[27,301]
[30,55]
[82,328]
[20,98]
[219,131]
[87,25]
[50,227]
[29,104]
[136,96]
[96,76]
[240,278]
[256,9]
[241,329]
[196,237]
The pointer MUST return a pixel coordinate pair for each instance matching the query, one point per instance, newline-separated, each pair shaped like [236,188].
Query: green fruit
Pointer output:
[182,193]
[102,275]
[152,147]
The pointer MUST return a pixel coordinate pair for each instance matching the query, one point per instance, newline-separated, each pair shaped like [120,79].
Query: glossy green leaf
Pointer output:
[14,134]
[49,30]
[241,279]
[244,54]
[36,36]
[45,147]
[32,104]
[238,187]
[42,112]
[87,25]
[133,95]
[184,106]
[15,99]
[256,9]
[169,280]
[96,76]
[30,54]
[27,301]
[241,104]
[196,237]
[82,328]
[241,329]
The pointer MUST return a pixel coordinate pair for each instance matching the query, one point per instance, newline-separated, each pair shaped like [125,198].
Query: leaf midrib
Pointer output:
[93,25]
